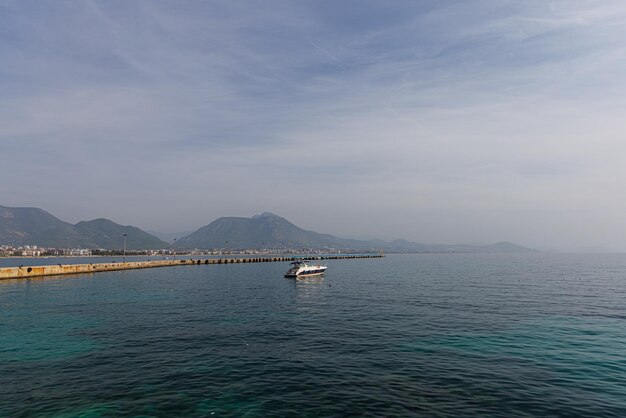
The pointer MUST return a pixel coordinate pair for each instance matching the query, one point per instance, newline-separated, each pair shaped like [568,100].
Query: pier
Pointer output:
[24,272]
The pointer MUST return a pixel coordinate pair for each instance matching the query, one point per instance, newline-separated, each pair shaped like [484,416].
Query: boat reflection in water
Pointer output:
[310,291]
[303,268]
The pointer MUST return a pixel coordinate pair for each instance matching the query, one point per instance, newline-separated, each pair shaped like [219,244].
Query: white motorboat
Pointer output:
[303,268]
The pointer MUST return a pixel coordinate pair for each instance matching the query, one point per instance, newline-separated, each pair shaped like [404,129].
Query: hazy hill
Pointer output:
[169,237]
[103,233]
[260,231]
[505,247]
[271,231]
[33,226]
[24,226]
[500,247]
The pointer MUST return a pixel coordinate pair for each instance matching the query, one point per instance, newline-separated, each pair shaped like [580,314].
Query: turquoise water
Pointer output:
[427,335]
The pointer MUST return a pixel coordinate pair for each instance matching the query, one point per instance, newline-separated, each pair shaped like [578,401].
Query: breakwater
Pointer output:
[23,272]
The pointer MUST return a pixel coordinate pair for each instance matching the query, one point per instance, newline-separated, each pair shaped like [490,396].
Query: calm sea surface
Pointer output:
[407,335]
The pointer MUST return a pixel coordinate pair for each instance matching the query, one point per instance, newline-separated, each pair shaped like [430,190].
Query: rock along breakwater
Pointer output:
[24,272]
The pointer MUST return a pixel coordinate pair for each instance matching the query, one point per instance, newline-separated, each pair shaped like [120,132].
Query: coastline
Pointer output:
[25,272]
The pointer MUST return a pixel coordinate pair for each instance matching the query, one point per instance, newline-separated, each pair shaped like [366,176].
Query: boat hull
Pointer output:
[306,273]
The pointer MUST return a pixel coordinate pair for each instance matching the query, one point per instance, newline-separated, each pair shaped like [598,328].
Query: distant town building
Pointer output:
[77,252]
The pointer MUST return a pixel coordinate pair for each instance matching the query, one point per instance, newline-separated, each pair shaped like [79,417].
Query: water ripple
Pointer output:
[423,335]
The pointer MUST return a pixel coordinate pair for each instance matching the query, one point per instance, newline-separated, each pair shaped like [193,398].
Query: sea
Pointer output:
[441,335]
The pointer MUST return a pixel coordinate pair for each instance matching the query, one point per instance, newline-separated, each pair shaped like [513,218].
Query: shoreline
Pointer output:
[25,272]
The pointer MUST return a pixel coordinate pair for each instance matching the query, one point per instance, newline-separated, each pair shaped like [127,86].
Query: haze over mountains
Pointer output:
[261,231]
[33,226]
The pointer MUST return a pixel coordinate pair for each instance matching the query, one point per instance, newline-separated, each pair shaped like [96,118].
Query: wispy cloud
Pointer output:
[449,117]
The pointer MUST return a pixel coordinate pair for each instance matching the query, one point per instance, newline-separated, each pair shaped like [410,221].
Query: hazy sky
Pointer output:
[435,121]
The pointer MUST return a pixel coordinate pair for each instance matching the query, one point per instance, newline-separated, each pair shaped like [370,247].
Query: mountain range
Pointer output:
[271,231]
[33,226]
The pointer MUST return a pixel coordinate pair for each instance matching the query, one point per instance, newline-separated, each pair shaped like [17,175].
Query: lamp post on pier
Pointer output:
[124,254]
[124,250]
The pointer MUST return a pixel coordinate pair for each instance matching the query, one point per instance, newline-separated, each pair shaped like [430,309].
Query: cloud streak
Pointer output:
[437,121]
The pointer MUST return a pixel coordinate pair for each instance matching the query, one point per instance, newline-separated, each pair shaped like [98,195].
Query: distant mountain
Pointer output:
[505,247]
[412,247]
[23,226]
[103,233]
[33,226]
[169,237]
[586,250]
[271,231]
[261,231]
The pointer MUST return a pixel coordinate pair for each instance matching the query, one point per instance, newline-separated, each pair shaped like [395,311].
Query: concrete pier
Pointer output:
[24,272]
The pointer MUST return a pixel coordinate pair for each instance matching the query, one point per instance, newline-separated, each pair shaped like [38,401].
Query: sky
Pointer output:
[433,121]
